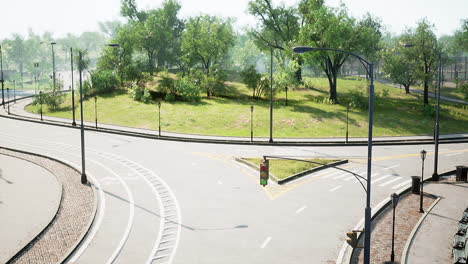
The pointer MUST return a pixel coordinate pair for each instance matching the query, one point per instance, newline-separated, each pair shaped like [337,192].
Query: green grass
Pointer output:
[285,168]
[307,113]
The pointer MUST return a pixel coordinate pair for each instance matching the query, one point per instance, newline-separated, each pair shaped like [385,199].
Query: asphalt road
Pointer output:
[172,202]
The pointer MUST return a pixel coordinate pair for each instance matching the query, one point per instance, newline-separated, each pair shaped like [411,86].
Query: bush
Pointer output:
[357,99]
[188,90]
[146,98]
[167,84]
[102,82]
[136,92]
[464,90]
[429,110]
[52,100]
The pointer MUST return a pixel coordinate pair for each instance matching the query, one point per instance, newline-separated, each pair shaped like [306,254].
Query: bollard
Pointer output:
[461,173]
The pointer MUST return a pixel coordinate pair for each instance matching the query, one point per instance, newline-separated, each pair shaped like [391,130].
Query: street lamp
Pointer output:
[347,121]
[370,72]
[435,175]
[14,91]
[394,198]
[1,79]
[72,86]
[53,63]
[40,102]
[251,123]
[286,88]
[95,109]
[423,157]
[84,179]
[8,101]
[159,118]
[271,94]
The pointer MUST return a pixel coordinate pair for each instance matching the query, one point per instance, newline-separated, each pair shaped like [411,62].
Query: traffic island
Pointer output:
[71,222]
[284,171]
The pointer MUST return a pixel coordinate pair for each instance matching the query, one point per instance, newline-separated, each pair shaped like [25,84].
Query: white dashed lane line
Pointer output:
[392,167]
[390,181]
[265,243]
[301,209]
[453,154]
[401,184]
[336,188]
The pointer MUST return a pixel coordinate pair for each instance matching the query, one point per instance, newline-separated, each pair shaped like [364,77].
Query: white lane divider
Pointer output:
[265,243]
[301,209]
[380,179]
[392,167]
[453,154]
[390,181]
[401,184]
[336,188]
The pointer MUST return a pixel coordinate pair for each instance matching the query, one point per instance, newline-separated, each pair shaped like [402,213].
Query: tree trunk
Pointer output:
[299,71]
[333,93]
[407,88]
[426,92]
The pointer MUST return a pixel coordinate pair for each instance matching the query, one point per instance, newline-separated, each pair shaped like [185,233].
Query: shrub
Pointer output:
[102,82]
[146,98]
[464,90]
[136,92]
[429,110]
[52,100]
[187,89]
[357,99]
[167,84]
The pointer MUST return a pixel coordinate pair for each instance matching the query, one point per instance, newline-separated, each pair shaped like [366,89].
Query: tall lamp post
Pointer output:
[435,175]
[84,179]
[370,72]
[72,86]
[423,157]
[95,109]
[53,63]
[251,123]
[159,118]
[271,95]
[1,79]
[271,88]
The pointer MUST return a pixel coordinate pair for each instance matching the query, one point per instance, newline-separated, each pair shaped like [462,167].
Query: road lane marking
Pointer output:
[381,178]
[390,181]
[332,174]
[448,155]
[336,188]
[401,184]
[265,243]
[301,209]
[392,167]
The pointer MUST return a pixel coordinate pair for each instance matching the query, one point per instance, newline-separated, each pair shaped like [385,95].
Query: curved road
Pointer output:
[171,202]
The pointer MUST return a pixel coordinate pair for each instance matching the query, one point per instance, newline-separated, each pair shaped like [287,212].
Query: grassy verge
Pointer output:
[308,114]
[285,168]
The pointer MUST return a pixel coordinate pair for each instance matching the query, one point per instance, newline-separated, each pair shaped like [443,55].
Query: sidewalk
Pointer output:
[17,109]
[419,237]
[30,196]
[434,240]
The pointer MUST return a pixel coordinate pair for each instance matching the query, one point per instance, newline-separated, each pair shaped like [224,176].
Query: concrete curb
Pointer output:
[344,257]
[226,140]
[95,205]
[255,167]
[306,172]
[409,242]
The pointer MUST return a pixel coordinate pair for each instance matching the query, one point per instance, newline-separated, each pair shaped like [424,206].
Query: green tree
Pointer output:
[327,27]
[461,36]
[251,79]
[424,52]
[206,42]
[399,67]
[159,33]
[278,28]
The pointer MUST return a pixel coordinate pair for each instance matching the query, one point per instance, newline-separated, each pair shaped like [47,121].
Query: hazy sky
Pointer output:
[65,16]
